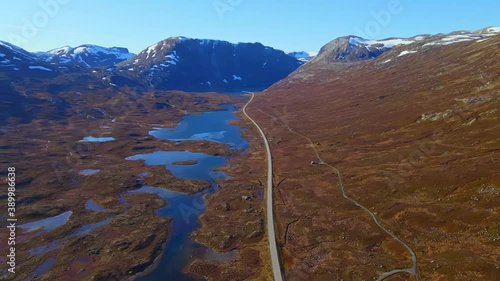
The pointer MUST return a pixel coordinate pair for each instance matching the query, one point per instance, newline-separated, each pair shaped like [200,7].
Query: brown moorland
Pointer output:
[416,138]
[48,156]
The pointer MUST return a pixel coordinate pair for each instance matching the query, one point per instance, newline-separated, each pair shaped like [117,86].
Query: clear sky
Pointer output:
[290,25]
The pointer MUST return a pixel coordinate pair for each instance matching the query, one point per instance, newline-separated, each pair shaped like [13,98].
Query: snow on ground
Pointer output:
[7,45]
[403,53]
[62,50]
[152,50]
[456,38]
[68,51]
[386,43]
[2,55]
[461,37]
[39,67]
[173,58]
[494,29]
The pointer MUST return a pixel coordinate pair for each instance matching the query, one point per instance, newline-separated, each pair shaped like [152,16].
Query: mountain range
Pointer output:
[196,65]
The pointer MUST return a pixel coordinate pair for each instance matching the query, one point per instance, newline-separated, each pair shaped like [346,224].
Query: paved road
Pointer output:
[411,270]
[269,195]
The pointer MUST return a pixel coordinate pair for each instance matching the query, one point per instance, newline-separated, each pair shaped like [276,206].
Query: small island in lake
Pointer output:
[185,163]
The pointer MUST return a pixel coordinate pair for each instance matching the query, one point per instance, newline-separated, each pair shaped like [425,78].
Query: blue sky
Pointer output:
[290,25]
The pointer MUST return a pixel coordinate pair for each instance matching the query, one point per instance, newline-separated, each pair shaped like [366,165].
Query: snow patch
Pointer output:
[457,38]
[403,53]
[173,58]
[494,29]
[39,67]
[151,49]
[386,43]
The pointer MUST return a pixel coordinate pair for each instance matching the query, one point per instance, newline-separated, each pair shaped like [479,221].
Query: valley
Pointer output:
[200,159]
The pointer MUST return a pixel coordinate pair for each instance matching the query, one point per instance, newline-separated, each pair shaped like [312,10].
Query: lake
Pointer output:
[184,208]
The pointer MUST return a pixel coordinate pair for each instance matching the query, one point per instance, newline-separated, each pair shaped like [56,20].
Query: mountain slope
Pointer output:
[350,49]
[414,133]
[19,62]
[207,65]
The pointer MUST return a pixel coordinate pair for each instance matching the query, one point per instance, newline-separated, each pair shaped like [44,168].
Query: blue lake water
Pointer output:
[98,139]
[43,268]
[88,172]
[200,171]
[182,207]
[56,244]
[210,126]
[93,206]
[90,227]
[48,224]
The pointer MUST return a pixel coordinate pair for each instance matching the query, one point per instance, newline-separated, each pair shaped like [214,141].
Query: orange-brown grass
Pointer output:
[417,142]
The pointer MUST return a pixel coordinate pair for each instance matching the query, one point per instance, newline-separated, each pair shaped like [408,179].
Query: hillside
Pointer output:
[415,135]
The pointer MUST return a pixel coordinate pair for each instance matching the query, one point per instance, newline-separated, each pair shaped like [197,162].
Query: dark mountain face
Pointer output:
[86,55]
[207,65]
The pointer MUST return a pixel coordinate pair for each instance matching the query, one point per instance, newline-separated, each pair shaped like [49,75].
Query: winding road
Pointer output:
[411,270]
[269,202]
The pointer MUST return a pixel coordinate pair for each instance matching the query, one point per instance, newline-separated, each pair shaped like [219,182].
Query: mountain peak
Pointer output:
[206,64]
[87,55]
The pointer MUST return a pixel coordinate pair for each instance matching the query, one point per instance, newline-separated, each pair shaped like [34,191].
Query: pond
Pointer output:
[97,139]
[210,126]
[202,170]
[184,208]
[47,224]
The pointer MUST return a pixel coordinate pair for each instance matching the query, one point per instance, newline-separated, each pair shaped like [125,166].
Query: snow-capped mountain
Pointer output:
[354,48]
[204,65]
[20,62]
[86,55]
[302,56]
